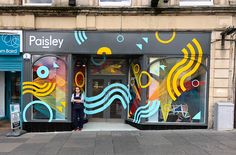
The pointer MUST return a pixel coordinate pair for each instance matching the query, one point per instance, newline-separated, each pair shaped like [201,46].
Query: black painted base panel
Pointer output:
[164,126]
[67,126]
[46,126]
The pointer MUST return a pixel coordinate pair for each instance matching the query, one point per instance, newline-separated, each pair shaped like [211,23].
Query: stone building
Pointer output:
[155,64]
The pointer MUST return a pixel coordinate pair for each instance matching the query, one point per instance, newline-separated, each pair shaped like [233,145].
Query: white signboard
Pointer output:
[15,116]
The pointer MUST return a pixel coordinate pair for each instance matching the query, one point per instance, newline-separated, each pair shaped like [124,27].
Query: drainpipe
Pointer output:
[234,83]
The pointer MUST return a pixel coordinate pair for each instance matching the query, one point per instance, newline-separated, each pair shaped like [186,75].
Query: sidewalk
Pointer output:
[164,142]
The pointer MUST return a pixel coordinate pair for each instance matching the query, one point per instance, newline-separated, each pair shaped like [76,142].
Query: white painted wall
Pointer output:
[2,94]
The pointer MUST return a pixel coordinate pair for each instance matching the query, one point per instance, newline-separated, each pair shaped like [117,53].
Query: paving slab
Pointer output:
[8,147]
[167,142]
[27,149]
[76,151]
[41,138]
[104,144]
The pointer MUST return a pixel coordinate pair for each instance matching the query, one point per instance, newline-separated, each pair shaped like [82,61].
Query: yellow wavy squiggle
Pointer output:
[188,66]
[36,94]
[199,60]
[34,84]
[174,82]
[168,82]
[48,86]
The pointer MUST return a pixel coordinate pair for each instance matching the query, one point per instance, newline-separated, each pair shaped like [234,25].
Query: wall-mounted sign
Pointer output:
[9,44]
[15,115]
[94,42]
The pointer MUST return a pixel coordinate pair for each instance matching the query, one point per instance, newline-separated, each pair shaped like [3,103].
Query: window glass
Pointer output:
[178,104]
[38,1]
[135,88]
[195,2]
[50,77]
[107,67]
[115,2]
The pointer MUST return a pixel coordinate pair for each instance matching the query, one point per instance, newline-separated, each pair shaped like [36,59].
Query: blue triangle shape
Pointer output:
[145,39]
[55,65]
[140,46]
[197,116]
[162,67]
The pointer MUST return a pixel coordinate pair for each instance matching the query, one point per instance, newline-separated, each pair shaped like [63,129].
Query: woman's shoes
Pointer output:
[77,129]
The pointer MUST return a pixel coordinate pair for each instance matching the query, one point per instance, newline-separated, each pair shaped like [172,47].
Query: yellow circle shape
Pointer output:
[149,79]
[138,68]
[76,76]
[166,41]
[61,82]
[105,50]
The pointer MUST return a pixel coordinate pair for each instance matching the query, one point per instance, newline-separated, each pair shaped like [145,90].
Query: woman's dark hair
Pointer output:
[81,91]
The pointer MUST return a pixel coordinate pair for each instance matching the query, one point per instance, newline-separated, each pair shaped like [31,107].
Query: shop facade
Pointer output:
[144,78]
[10,70]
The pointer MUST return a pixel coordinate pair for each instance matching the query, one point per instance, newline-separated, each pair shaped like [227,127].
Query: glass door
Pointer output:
[12,90]
[115,109]
[97,87]
[101,74]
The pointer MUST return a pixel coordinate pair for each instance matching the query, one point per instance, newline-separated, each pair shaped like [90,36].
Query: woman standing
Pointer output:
[77,100]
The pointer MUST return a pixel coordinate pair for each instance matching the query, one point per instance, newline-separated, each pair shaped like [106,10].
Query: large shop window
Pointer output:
[175,88]
[195,2]
[114,2]
[49,73]
[180,86]
[37,2]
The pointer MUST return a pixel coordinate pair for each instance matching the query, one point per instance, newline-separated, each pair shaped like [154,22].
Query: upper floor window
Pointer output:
[195,2]
[37,2]
[114,2]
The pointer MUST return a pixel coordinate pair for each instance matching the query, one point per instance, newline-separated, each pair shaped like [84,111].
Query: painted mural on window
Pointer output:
[175,82]
[189,99]
[108,67]
[107,93]
[176,87]
[135,89]
[79,73]
[48,88]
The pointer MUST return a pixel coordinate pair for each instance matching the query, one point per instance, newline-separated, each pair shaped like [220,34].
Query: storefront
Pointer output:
[10,70]
[144,78]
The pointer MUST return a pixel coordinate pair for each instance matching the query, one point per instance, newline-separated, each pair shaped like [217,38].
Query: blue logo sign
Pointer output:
[9,44]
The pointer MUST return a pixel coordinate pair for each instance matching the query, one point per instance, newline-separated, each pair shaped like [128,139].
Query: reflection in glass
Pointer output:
[98,86]
[109,67]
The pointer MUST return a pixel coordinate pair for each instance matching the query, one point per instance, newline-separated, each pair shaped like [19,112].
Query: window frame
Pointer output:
[37,4]
[195,3]
[126,3]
